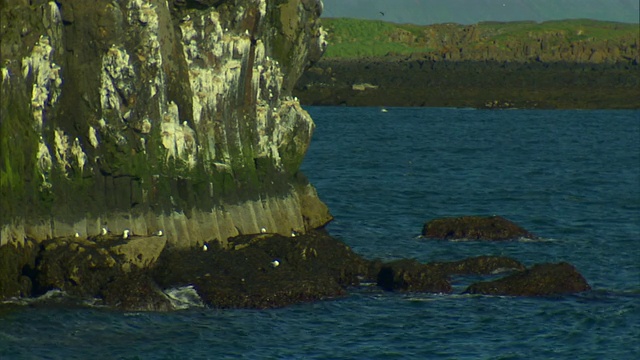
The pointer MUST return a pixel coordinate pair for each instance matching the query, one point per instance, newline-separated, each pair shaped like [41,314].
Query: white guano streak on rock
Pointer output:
[80,156]
[61,149]
[178,139]
[275,126]
[322,41]
[5,74]
[46,79]
[46,83]
[217,78]
[262,5]
[44,163]
[66,153]
[117,78]
[144,14]
[93,137]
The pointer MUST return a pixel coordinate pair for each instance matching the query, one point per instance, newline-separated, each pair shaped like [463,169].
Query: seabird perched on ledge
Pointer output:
[275,263]
[125,234]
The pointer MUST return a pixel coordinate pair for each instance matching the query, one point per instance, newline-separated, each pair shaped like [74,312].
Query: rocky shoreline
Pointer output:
[252,271]
[421,81]
[174,124]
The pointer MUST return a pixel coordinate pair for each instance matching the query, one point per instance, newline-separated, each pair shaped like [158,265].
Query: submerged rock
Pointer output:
[481,265]
[540,280]
[408,275]
[474,228]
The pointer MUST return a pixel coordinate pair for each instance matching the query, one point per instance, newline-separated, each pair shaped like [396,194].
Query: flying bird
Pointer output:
[381,13]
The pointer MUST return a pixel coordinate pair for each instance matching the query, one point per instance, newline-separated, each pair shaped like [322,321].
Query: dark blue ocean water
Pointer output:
[571,177]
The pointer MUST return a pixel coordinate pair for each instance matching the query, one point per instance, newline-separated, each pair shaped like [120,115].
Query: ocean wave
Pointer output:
[54,297]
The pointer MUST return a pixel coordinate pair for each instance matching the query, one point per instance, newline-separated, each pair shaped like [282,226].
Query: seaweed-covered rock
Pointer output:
[540,280]
[78,267]
[135,291]
[411,276]
[481,265]
[264,271]
[474,228]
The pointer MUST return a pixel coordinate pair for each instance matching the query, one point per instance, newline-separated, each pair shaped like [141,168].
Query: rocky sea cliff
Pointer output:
[156,116]
[154,145]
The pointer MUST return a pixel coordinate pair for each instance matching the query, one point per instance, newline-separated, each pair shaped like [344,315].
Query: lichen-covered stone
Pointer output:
[140,252]
[155,115]
[474,228]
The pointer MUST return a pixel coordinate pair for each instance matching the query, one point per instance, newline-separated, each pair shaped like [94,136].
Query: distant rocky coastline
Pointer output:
[420,81]
[581,64]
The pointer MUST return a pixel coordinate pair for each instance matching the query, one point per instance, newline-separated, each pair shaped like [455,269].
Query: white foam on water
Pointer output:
[184,297]
[436,297]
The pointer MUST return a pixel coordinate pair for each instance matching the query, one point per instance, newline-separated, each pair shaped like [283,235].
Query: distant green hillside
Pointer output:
[568,40]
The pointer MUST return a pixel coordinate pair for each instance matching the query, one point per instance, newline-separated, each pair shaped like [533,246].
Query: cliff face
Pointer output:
[155,115]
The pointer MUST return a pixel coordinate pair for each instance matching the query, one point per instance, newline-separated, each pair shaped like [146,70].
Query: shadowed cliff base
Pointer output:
[414,81]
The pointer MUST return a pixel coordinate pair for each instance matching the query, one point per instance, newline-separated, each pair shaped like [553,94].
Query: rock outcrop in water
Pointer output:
[540,280]
[153,115]
[253,271]
[474,228]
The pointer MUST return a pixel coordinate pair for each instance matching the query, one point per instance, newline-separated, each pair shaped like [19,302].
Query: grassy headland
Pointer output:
[568,40]
[557,64]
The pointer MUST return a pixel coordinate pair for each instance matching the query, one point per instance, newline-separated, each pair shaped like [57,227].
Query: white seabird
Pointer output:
[77,235]
[125,234]
[263,230]
[158,233]
[275,263]
[205,247]
[103,231]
